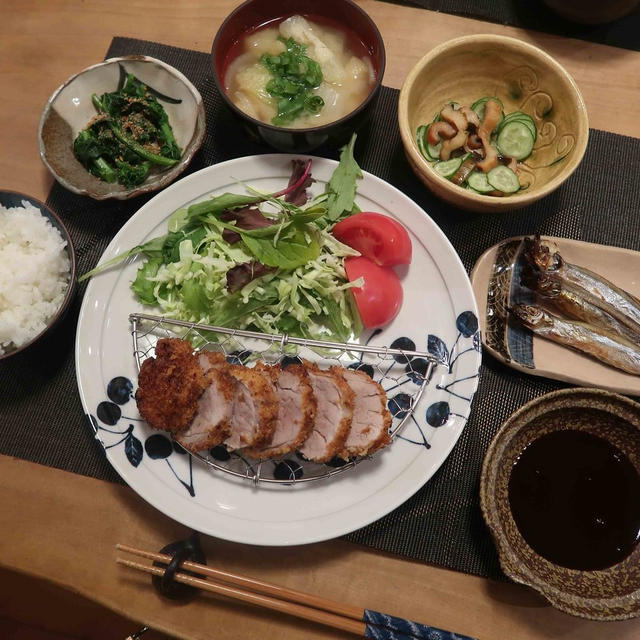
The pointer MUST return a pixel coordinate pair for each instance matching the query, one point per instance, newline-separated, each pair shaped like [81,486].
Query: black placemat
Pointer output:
[535,14]
[41,415]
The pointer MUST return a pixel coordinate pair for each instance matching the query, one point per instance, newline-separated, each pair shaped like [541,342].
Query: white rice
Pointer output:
[34,274]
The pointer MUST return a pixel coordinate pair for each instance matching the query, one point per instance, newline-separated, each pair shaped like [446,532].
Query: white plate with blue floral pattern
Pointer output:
[438,315]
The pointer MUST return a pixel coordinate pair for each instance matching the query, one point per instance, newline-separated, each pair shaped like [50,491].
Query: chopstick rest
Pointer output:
[179,552]
[365,623]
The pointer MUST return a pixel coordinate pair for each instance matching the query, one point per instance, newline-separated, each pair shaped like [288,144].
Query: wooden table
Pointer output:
[62,527]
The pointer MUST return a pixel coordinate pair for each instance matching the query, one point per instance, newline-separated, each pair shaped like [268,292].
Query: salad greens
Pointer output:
[342,185]
[129,134]
[256,260]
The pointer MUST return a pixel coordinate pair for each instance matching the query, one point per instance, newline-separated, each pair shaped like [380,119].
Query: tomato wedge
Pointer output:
[380,297]
[376,236]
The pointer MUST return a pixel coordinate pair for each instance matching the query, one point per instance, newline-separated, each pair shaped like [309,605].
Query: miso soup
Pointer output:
[299,72]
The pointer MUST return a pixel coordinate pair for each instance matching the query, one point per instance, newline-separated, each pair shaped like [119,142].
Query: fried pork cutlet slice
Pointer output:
[170,385]
[296,409]
[334,412]
[255,409]
[211,359]
[371,418]
[212,422]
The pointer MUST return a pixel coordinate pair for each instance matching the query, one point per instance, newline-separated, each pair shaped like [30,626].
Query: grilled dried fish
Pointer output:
[574,303]
[599,343]
[615,301]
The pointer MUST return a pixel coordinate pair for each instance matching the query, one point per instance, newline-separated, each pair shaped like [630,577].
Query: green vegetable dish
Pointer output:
[260,261]
[129,134]
[479,147]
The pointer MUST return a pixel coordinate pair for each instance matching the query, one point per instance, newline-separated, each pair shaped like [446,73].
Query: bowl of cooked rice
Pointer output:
[37,271]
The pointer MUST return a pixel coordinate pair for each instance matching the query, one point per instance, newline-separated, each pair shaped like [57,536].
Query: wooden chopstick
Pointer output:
[303,605]
[258,586]
[283,606]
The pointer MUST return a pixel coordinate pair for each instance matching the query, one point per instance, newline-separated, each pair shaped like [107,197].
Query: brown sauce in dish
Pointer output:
[576,500]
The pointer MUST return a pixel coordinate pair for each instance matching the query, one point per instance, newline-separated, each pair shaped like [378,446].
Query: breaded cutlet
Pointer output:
[169,386]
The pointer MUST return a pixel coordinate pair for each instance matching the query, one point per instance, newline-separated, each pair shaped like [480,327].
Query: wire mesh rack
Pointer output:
[391,368]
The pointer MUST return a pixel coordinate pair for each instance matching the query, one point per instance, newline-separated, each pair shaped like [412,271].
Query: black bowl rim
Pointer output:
[308,130]
[49,212]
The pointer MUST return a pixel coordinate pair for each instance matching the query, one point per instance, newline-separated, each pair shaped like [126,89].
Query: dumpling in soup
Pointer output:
[264,41]
[347,72]
[301,31]
[250,93]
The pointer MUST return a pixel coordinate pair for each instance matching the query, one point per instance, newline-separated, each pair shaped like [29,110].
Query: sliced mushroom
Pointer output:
[473,142]
[459,121]
[449,146]
[491,118]
[490,159]
[438,131]
[455,117]
[471,116]
[463,172]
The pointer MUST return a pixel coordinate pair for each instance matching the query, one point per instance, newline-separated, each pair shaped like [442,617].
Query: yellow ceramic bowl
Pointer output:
[524,78]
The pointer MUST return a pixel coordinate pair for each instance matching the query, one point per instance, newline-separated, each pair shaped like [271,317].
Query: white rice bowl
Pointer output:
[34,274]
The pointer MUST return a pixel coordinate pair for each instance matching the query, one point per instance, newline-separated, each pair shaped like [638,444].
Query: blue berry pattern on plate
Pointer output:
[157,446]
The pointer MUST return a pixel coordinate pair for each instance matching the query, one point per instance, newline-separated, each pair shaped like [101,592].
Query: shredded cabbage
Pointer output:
[311,301]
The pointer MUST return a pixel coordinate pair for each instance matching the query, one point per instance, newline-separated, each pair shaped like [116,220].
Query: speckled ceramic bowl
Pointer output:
[11,199]
[69,110]
[524,78]
[606,594]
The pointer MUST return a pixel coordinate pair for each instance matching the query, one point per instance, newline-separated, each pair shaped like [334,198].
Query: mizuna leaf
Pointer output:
[341,188]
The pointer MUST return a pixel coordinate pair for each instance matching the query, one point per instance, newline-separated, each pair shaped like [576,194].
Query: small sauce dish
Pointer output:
[560,494]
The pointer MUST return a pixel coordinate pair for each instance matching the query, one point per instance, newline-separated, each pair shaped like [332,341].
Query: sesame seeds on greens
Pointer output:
[129,135]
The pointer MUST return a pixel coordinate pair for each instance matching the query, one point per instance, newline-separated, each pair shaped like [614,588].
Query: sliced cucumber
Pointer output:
[447,168]
[420,141]
[478,182]
[518,116]
[515,140]
[430,152]
[503,179]
[433,151]
[527,123]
